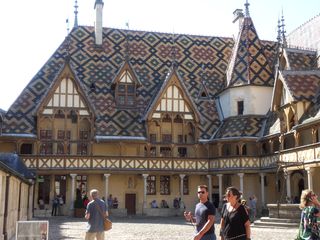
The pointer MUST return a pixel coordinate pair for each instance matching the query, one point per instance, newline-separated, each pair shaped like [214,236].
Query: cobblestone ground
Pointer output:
[143,228]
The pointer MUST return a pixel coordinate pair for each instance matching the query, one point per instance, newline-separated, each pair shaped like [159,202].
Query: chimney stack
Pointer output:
[98,6]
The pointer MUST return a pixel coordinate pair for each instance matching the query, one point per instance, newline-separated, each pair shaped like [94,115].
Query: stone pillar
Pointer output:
[241,175]
[145,190]
[262,175]
[310,173]
[106,185]
[181,185]
[220,189]
[73,185]
[210,187]
[288,183]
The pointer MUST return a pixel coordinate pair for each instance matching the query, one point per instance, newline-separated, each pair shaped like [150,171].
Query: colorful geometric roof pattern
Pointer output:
[303,85]
[301,59]
[240,126]
[249,63]
[198,58]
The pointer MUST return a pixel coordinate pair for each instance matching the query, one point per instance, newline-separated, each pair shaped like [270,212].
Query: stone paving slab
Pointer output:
[149,228]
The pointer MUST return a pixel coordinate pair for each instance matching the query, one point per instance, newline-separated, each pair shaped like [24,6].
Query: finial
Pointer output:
[247,8]
[76,14]
[279,32]
[283,32]
[67,42]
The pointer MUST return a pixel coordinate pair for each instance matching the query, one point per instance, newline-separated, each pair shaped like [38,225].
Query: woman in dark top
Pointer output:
[235,222]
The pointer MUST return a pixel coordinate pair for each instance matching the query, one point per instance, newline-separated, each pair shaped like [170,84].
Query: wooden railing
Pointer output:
[298,155]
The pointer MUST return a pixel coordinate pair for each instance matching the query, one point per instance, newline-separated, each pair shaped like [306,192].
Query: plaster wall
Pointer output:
[257,100]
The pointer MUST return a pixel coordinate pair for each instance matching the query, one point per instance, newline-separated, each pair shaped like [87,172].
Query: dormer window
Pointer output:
[126,90]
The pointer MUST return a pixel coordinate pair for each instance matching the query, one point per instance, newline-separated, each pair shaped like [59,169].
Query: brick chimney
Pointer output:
[98,6]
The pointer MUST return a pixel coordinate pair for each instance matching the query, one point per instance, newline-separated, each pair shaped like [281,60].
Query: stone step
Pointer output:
[282,220]
[275,224]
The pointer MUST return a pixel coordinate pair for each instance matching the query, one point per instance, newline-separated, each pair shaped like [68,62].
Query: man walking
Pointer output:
[95,214]
[204,216]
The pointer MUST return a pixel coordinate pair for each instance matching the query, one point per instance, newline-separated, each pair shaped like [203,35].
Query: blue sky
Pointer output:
[32,30]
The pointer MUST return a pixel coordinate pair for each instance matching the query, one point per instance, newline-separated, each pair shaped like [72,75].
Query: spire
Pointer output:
[173,51]
[279,32]
[247,8]
[67,46]
[283,31]
[76,14]
[127,51]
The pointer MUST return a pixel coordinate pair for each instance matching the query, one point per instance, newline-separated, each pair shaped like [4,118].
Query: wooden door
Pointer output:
[130,203]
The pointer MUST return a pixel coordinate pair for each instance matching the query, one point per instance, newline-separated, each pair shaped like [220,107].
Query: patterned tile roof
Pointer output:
[199,59]
[250,61]
[301,59]
[240,126]
[303,85]
[272,124]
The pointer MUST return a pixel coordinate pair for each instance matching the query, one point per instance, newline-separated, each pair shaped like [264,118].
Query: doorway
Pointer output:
[130,203]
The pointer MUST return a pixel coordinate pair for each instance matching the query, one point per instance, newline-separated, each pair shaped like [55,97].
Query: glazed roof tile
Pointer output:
[240,126]
[198,58]
[301,59]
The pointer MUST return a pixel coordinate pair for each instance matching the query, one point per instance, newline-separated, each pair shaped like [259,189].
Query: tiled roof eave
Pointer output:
[117,138]
[19,135]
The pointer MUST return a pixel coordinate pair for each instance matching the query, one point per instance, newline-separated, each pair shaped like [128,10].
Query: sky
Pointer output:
[32,30]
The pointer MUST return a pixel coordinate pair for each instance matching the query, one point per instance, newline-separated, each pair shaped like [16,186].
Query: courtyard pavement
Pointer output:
[149,228]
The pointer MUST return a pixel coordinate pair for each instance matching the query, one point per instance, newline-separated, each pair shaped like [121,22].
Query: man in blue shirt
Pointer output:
[95,214]
[204,216]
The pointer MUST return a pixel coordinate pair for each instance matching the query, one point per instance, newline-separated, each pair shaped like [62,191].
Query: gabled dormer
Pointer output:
[66,92]
[125,84]
[173,97]
[65,117]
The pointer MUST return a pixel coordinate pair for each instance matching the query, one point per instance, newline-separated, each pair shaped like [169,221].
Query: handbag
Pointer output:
[107,224]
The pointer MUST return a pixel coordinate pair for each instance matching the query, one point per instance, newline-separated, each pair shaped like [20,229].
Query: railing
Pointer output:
[297,155]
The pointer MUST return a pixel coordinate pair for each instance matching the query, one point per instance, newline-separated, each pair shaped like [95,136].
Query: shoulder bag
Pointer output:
[107,224]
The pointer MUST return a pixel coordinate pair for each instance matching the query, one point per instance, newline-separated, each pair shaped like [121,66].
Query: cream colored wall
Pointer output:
[109,149]
[257,100]
[7,147]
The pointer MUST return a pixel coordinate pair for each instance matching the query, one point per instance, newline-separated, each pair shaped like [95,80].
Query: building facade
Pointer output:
[149,116]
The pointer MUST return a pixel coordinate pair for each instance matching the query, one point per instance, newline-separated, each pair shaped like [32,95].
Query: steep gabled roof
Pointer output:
[249,63]
[126,66]
[170,80]
[66,71]
[150,59]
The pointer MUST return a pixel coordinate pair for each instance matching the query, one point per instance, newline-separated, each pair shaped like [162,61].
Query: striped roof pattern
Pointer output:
[199,60]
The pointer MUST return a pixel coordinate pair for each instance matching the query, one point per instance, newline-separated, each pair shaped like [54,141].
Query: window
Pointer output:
[165,151]
[26,148]
[166,138]
[81,185]
[44,188]
[153,138]
[180,138]
[186,185]
[165,185]
[82,148]
[126,90]
[151,185]
[153,152]
[182,151]
[240,107]
[60,186]
[62,135]
[46,146]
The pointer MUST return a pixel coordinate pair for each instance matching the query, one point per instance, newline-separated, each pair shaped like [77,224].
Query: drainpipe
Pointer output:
[6,203]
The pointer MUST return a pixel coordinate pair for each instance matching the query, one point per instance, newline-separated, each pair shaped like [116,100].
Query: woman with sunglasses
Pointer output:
[309,228]
[235,224]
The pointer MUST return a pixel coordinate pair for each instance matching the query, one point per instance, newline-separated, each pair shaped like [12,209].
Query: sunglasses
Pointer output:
[202,192]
